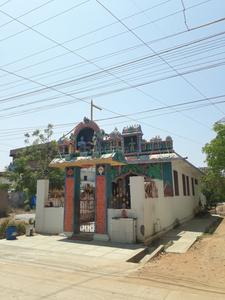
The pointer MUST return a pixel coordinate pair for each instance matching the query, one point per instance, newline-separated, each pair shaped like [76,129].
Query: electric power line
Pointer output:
[77,49]
[7,133]
[165,52]
[39,23]
[4,3]
[184,15]
[81,99]
[80,56]
[140,39]
[44,100]
[26,13]
[113,67]
[59,44]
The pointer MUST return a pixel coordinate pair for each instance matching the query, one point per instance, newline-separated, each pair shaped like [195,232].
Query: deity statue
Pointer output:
[97,141]
[82,144]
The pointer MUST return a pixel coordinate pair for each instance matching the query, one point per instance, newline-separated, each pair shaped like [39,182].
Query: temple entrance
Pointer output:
[121,191]
[87,201]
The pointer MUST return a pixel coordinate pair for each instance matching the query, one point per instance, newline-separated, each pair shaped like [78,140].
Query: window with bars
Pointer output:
[188,186]
[176,183]
[193,186]
[184,184]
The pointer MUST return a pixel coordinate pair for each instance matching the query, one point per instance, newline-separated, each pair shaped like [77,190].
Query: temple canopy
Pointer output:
[113,159]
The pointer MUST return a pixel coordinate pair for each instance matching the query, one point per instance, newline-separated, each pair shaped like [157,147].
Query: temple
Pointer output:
[128,170]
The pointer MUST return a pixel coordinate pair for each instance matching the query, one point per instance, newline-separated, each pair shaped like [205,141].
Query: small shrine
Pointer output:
[115,157]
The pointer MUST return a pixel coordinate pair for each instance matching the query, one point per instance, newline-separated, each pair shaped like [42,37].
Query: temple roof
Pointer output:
[113,159]
[115,134]
[130,130]
[87,123]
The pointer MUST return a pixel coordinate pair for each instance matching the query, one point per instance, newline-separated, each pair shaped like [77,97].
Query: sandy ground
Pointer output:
[202,267]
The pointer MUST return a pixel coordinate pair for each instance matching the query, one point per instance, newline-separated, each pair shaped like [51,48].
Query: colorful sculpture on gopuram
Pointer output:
[88,139]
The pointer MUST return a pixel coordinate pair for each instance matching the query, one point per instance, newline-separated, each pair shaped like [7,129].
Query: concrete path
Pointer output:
[185,235]
[186,240]
[59,244]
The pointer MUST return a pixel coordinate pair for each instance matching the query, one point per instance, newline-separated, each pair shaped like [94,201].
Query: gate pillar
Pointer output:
[72,201]
[103,194]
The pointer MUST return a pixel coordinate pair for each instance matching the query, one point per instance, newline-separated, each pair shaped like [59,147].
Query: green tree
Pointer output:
[213,187]
[213,183]
[32,163]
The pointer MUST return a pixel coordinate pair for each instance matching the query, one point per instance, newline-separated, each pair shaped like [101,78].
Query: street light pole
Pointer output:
[94,106]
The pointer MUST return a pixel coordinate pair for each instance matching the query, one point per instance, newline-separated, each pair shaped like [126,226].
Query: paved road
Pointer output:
[28,272]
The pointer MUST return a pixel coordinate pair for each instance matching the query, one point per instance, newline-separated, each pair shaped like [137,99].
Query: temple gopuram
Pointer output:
[128,171]
[88,139]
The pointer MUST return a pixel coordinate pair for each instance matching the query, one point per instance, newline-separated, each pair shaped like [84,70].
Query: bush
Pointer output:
[4,186]
[3,226]
[20,227]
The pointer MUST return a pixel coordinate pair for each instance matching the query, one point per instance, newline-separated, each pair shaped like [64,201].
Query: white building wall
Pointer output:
[42,196]
[137,210]
[155,215]
[137,193]
[53,220]
[183,167]
[152,209]
[163,213]
[48,220]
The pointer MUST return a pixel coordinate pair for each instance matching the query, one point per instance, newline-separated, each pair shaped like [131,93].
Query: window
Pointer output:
[196,181]
[184,184]
[176,184]
[85,177]
[188,187]
[193,186]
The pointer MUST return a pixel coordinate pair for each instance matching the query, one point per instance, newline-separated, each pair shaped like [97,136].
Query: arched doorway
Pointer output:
[121,191]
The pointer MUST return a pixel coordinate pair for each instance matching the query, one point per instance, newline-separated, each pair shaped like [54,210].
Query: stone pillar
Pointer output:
[72,201]
[103,194]
[42,197]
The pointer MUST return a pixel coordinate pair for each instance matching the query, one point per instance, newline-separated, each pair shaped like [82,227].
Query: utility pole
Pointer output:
[94,106]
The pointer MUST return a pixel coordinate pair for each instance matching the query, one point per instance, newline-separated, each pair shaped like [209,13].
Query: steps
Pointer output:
[83,236]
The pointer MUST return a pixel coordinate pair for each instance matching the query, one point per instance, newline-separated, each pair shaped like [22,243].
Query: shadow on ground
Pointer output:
[103,243]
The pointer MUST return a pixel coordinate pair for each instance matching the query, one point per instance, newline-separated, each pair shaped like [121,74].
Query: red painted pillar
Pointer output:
[71,202]
[101,204]
[102,187]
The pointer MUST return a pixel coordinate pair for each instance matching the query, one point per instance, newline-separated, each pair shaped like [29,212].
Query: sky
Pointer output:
[133,58]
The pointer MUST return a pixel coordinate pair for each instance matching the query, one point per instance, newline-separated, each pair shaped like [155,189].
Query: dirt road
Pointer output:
[202,267]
